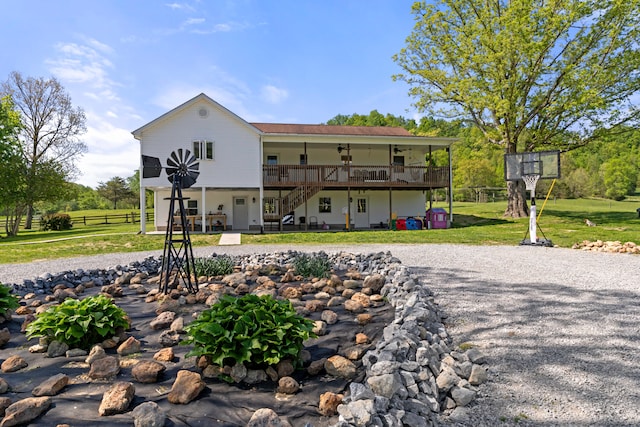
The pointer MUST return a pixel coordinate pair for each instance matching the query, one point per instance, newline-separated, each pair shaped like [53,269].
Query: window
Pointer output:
[272,159]
[398,163]
[346,160]
[192,207]
[324,205]
[362,205]
[303,159]
[203,149]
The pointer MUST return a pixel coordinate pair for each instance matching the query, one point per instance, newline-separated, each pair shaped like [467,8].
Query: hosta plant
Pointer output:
[80,323]
[251,330]
[312,266]
[8,301]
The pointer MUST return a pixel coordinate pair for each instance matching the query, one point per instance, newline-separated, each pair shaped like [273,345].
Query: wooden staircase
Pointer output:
[295,198]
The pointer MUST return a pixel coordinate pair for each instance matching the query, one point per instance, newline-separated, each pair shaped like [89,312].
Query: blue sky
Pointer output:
[125,62]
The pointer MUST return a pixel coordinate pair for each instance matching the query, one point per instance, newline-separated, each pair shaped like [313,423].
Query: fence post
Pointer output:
[84,220]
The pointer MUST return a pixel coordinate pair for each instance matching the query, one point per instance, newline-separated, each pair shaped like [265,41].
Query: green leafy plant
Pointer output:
[258,331]
[8,301]
[80,323]
[56,222]
[214,266]
[312,266]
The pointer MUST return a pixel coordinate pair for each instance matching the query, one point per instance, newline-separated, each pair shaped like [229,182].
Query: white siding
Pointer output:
[237,147]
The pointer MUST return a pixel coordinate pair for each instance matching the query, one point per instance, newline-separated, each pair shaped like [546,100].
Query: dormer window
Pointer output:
[203,149]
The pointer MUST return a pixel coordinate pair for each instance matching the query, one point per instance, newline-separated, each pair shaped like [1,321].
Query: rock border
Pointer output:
[412,376]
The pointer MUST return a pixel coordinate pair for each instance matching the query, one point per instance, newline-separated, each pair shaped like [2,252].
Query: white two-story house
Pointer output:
[257,176]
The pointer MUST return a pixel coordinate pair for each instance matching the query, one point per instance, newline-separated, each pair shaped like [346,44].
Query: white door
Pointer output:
[361,214]
[240,213]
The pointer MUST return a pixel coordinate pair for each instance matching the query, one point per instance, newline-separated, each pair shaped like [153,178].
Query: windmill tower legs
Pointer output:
[177,257]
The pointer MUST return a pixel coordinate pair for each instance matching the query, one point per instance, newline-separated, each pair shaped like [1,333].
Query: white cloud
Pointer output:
[273,95]
[86,65]
[112,152]
[180,6]
[194,21]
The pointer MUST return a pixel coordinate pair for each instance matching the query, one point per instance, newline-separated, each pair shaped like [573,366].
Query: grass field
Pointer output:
[562,222]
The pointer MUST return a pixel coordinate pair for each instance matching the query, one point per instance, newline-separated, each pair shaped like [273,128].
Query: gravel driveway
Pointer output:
[560,327]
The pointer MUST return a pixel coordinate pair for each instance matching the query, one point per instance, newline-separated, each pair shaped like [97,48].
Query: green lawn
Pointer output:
[562,222]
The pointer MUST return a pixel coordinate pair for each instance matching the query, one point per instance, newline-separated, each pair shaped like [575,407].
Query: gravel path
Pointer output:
[560,327]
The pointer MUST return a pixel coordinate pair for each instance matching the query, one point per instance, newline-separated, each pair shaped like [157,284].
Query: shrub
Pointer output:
[260,331]
[214,266]
[80,323]
[8,301]
[56,222]
[312,266]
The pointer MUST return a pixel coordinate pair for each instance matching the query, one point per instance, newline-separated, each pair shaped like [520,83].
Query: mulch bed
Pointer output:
[220,404]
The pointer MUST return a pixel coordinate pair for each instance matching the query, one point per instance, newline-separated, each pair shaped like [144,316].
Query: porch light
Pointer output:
[340,148]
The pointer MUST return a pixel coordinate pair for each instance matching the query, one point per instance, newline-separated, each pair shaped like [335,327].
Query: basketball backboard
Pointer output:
[543,163]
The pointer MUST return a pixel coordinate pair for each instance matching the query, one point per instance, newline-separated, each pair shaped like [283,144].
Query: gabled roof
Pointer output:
[283,132]
[138,132]
[300,129]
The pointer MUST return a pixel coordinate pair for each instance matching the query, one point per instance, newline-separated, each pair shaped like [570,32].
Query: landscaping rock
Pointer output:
[117,398]
[148,414]
[51,386]
[187,387]
[147,371]
[104,368]
[25,410]
[13,363]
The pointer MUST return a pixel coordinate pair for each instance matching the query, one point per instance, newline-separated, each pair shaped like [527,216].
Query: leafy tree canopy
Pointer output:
[530,75]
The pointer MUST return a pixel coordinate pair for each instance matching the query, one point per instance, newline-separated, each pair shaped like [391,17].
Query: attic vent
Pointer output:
[203,112]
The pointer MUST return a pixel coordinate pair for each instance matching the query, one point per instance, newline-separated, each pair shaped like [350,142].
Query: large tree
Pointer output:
[529,74]
[115,190]
[12,167]
[49,136]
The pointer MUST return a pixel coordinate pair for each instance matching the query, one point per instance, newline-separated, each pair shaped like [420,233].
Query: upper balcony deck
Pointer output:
[276,177]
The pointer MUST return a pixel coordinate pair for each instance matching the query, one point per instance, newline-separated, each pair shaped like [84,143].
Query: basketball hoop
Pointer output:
[530,181]
[530,167]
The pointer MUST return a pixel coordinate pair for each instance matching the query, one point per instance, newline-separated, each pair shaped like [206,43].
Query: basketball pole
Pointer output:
[532,219]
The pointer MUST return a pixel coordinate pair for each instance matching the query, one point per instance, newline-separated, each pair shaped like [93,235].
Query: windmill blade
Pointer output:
[183,167]
[189,180]
[174,160]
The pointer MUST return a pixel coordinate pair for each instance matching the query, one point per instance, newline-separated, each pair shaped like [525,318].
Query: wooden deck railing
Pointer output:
[289,176]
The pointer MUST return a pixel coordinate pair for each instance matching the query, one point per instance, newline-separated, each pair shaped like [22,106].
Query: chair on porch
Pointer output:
[313,222]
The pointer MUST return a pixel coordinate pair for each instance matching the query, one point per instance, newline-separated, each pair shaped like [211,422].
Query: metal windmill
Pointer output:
[177,257]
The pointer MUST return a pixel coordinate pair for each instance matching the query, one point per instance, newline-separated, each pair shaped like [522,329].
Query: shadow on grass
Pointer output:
[613,217]
[462,221]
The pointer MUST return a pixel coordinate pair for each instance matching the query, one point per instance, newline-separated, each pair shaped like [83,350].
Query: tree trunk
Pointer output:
[29,219]
[516,200]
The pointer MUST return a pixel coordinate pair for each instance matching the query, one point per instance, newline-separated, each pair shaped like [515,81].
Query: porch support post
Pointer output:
[390,191]
[348,187]
[450,187]
[280,226]
[203,217]
[306,188]
[430,179]
[143,209]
